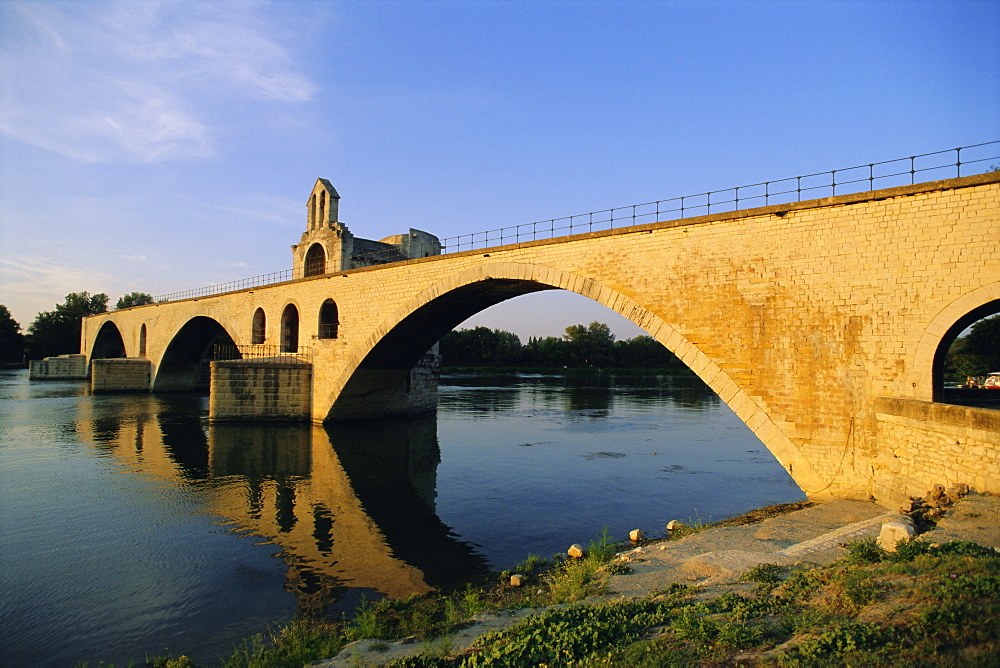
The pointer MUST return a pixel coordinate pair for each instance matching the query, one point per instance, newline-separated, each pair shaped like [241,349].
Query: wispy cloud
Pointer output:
[119,80]
[32,284]
[253,208]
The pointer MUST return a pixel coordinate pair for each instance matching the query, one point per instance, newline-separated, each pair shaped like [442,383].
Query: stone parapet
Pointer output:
[922,443]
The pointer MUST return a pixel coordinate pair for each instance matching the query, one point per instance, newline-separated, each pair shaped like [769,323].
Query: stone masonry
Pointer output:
[800,316]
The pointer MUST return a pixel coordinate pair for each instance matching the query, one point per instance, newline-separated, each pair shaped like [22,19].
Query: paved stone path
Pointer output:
[845,534]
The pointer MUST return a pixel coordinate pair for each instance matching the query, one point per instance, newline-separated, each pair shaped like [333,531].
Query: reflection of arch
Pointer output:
[315,261]
[258,327]
[142,340]
[290,329]
[328,320]
[184,366]
[942,332]
[108,343]
[405,335]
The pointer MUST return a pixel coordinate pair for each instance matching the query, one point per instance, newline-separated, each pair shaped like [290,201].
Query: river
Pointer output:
[130,527]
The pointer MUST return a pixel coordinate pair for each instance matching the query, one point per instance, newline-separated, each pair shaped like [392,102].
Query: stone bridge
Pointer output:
[822,324]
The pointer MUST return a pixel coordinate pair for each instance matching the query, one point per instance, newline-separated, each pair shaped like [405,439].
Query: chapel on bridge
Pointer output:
[327,245]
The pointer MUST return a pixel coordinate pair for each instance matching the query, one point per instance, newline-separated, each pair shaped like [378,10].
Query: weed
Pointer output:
[837,642]
[296,644]
[865,551]
[603,548]
[564,636]
[765,574]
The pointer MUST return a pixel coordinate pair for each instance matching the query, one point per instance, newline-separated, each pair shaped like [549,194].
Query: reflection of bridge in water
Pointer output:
[352,508]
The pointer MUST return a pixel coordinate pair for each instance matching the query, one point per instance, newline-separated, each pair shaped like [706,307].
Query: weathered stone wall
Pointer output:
[63,367]
[800,316]
[121,374]
[260,390]
[921,444]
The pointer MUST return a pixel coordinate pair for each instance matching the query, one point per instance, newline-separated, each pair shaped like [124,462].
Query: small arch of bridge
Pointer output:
[109,342]
[942,332]
[184,364]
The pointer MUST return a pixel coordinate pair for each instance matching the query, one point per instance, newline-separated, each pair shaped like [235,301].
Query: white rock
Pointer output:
[893,533]
[575,550]
[516,580]
[673,525]
[636,535]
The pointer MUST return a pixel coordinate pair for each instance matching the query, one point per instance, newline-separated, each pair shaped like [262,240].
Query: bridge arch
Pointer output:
[142,340]
[942,331]
[108,343]
[396,345]
[184,365]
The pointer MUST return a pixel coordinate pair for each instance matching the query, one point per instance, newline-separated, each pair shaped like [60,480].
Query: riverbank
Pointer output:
[808,585]
[712,564]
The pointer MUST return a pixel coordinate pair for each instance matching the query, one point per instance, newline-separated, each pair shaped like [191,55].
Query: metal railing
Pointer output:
[260,353]
[949,163]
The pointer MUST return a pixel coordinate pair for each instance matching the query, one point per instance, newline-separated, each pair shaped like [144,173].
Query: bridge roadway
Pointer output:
[822,324]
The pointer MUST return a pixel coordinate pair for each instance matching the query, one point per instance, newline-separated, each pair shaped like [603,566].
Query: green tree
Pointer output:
[592,345]
[481,346]
[547,351]
[134,299]
[11,338]
[978,353]
[644,352]
[57,332]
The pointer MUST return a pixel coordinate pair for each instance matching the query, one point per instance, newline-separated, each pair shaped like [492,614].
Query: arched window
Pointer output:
[290,329]
[328,320]
[322,209]
[315,261]
[142,340]
[257,328]
[312,212]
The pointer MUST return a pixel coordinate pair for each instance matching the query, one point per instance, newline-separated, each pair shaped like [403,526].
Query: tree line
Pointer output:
[592,345]
[56,332]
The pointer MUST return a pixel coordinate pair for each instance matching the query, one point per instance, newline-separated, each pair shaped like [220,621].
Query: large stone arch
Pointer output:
[396,345]
[184,364]
[108,343]
[941,332]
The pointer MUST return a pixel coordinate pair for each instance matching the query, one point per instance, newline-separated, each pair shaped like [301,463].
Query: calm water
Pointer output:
[131,527]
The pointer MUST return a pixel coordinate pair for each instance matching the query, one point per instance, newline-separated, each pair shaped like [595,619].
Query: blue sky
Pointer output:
[171,144]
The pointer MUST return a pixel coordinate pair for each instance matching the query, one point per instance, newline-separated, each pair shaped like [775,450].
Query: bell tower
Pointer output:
[326,243]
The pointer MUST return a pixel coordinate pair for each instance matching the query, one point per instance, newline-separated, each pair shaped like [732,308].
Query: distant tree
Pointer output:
[57,332]
[547,351]
[11,338]
[134,299]
[644,352]
[481,346]
[592,345]
[978,353]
